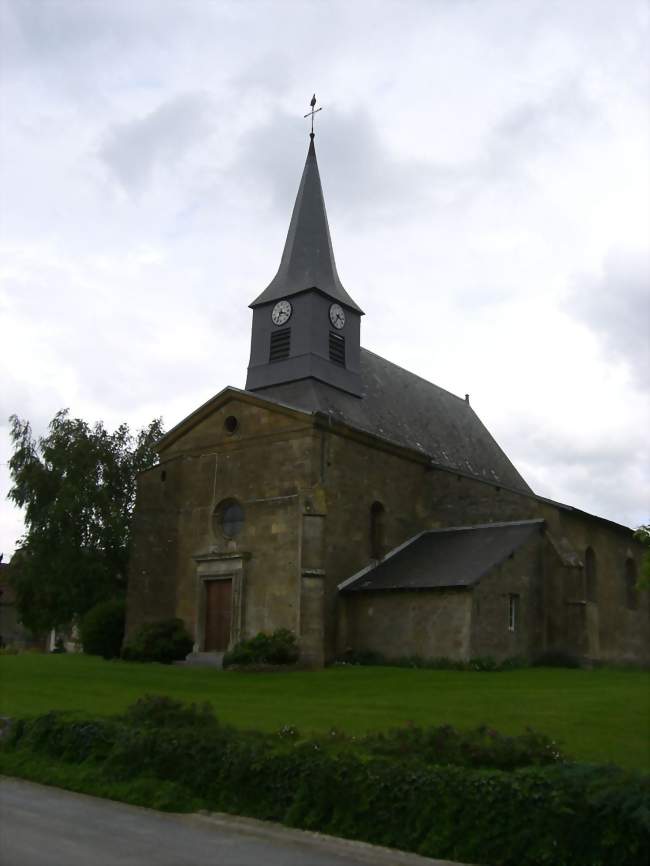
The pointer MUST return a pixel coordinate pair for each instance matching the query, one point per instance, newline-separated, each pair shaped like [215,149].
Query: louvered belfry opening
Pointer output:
[280,345]
[337,349]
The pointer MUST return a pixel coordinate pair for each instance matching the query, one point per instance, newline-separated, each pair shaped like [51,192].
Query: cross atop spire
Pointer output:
[312,113]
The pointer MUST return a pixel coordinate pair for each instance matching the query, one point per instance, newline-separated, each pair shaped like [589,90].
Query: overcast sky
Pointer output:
[485,168]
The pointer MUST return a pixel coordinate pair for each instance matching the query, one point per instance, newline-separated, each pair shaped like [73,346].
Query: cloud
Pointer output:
[135,149]
[473,162]
[615,306]
[600,469]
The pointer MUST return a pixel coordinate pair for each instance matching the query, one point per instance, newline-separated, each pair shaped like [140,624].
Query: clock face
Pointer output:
[281,312]
[337,316]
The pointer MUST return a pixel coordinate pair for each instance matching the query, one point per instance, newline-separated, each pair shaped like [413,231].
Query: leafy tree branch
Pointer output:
[77,487]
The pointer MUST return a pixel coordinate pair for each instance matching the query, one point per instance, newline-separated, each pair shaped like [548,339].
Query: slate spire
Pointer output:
[308,258]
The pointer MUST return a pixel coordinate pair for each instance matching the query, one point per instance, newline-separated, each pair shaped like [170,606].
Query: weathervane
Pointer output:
[312,113]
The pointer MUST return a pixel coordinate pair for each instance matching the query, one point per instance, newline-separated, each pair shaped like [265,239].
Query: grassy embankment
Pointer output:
[599,716]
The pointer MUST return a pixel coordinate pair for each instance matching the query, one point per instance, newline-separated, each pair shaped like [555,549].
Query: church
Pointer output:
[362,507]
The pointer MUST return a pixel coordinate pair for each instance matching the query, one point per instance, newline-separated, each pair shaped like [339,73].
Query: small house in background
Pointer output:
[362,507]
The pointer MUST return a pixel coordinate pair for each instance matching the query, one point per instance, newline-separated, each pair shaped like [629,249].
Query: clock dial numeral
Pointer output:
[337,316]
[281,312]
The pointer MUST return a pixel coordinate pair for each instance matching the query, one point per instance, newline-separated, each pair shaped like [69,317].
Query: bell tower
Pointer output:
[305,325]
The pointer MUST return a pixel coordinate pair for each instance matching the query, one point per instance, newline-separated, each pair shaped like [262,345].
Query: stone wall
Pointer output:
[152,580]
[611,625]
[519,577]
[452,499]
[428,623]
[354,477]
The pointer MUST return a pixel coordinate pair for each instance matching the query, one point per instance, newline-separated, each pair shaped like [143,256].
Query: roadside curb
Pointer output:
[362,852]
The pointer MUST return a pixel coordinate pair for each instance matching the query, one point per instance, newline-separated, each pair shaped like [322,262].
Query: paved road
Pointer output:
[43,826]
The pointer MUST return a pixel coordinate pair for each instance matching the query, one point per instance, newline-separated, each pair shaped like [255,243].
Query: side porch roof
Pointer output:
[455,557]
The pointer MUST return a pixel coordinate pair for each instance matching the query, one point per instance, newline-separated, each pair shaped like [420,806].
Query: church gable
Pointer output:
[230,419]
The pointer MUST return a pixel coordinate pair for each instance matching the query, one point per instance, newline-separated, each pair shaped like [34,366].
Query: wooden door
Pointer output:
[218,595]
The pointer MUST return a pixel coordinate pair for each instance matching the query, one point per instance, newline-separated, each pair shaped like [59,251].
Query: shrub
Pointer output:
[443,663]
[160,711]
[165,641]
[481,747]
[102,629]
[363,657]
[279,648]
[561,815]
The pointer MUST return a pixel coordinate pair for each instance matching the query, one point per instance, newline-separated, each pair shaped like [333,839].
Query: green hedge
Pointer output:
[556,815]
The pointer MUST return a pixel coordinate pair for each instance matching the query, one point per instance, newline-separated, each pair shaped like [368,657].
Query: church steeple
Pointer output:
[305,324]
[308,258]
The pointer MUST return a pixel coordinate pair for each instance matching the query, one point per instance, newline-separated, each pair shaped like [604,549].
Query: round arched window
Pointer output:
[229,518]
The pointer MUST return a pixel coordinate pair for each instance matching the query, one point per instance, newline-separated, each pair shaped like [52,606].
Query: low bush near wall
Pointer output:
[478,663]
[166,641]
[559,814]
[279,648]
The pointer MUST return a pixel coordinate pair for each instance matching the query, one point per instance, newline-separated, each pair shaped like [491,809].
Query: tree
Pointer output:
[77,486]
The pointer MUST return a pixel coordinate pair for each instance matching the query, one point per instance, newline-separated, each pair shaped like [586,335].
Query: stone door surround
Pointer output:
[219,566]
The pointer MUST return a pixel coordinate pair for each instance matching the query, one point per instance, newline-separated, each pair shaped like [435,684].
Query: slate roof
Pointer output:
[400,407]
[444,558]
[308,258]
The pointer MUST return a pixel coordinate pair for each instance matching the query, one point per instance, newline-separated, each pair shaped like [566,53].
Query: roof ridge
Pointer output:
[496,525]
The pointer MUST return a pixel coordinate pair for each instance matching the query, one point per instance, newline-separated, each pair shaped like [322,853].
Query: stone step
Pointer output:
[203,659]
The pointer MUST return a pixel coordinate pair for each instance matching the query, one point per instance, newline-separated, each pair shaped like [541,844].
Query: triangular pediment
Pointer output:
[212,423]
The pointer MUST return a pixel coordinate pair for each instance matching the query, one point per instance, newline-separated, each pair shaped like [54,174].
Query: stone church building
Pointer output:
[362,507]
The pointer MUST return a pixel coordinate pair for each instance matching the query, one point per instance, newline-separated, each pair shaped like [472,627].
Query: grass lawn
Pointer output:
[598,716]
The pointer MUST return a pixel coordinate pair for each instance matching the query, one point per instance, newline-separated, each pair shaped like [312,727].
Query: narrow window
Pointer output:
[591,583]
[377,514]
[280,345]
[513,612]
[337,349]
[631,596]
